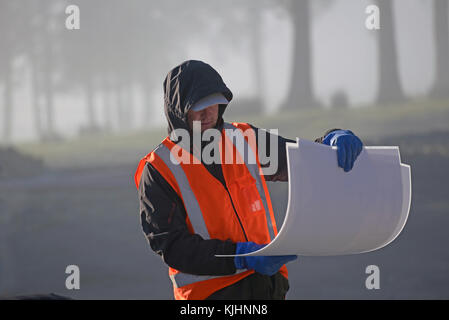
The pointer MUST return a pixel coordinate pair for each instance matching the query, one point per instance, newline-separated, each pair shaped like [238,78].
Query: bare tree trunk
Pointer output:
[107,103]
[128,107]
[119,105]
[441,33]
[301,93]
[390,89]
[147,105]
[49,103]
[47,78]
[92,123]
[8,100]
[34,53]
[256,50]
[35,95]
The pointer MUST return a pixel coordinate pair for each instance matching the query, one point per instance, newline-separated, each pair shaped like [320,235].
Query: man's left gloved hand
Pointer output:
[267,265]
[348,145]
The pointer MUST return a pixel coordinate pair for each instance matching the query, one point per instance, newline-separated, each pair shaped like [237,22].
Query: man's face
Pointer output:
[207,116]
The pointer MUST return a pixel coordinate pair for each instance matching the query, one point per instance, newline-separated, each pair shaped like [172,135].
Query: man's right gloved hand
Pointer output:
[267,265]
[348,145]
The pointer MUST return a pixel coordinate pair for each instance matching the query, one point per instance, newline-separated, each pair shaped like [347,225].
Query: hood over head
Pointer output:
[185,85]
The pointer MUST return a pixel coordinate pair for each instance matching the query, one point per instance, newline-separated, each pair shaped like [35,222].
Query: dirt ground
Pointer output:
[89,217]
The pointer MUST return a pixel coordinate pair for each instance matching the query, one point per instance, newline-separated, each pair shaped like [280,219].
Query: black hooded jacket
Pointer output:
[162,212]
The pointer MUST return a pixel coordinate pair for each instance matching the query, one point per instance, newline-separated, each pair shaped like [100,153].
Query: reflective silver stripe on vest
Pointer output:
[183,279]
[192,206]
[194,212]
[190,202]
[253,168]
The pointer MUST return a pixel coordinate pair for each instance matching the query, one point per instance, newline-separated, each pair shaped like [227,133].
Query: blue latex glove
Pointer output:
[267,265]
[348,145]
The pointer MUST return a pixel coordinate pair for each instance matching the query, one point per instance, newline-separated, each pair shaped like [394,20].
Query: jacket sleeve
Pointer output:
[163,220]
[281,173]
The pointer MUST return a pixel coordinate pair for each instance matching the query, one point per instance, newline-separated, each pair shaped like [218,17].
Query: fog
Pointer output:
[112,39]
[80,107]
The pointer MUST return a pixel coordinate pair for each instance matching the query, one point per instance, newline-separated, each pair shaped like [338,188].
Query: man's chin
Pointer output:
[207,126]
[204,129]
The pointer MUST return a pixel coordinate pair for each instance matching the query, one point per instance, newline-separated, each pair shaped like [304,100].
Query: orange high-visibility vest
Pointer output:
[240,211]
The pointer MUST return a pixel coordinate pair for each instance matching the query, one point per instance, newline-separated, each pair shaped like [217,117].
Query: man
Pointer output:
[193,209]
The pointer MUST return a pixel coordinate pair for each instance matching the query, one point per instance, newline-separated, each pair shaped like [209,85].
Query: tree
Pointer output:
[121,47]
[441,34]
[240,25]
[389,84]
[42,31]
[8,10]
[301,93]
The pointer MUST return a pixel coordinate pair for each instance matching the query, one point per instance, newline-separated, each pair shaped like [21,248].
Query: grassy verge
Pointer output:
[371,123]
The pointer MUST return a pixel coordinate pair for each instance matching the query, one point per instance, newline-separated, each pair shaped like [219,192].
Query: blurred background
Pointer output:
[79,108]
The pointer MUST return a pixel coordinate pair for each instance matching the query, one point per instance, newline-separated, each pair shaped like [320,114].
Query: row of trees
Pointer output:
[121,46]
[389,84]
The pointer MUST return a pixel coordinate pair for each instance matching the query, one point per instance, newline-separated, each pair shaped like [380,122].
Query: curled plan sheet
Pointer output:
[332,212]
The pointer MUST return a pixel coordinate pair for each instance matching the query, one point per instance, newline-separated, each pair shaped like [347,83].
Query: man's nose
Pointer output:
[206,112]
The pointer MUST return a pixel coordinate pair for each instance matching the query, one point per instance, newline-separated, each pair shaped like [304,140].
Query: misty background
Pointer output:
[79,108]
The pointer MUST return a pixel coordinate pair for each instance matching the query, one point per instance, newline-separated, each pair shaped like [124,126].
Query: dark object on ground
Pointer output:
[50,296]
[14,164]
[339,100]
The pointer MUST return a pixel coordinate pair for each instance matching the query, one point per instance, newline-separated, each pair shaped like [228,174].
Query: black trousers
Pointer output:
[254,287]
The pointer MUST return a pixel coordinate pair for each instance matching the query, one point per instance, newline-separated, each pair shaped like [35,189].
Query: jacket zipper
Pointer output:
[236,214]
[230,198]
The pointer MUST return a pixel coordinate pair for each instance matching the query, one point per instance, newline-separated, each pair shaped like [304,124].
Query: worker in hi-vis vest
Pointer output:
[203,192]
